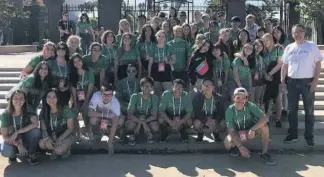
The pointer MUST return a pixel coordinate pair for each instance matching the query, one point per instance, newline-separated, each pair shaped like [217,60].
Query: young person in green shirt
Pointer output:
[35,86]
[272,54]
[213,33]
[82,86]
[187,34]
[245,121]
[108,41]
[175,111]
[235,27]
[85,31]
[97,63]
[206,20]
[166,27]
[126,87]
[126,54]
[57,125]
[193,32]
[208,112]
[182,51]
[60,71]
[142,112]
[242,38]
[73,42]
[48,52]
[160,66]
[124,27]
[145,45]
[19,130]
[222,20]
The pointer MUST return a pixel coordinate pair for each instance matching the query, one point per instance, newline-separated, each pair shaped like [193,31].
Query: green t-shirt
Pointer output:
[83,26]
[221,66]
[142,47]
[95,67]
[233,34]
[182,50]
[85,80]
[203,31]
[141,106]
[58,72]
[119,36]
[125,88]
[271,56]
[212,37]
[110,54]
[243,119]
[128,57]
[161,53]
[34,95]
[15,124]
[59,119]
[169,37]
[35,61]
[243,71]
[176,107]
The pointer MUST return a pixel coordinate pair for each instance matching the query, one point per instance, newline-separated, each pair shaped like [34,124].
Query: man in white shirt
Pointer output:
[302,64]
[104,109]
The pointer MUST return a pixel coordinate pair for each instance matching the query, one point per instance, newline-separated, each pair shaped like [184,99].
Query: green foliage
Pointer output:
[311,8]
[8,12]
[94,23]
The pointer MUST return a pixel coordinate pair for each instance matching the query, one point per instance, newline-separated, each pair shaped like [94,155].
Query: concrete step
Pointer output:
[9,49]
[6,87]
[9,80]
[9,74]
[11,69]
[318,105]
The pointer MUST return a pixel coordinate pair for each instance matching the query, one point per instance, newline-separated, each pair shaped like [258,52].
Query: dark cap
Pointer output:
[221,13]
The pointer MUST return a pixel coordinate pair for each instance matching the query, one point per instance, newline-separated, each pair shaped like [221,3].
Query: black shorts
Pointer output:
[161,76]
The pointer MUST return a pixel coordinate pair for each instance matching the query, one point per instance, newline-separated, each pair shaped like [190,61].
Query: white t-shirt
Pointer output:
[301,59]
[97,104]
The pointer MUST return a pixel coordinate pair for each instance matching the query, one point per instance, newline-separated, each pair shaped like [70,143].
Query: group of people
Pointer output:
[164,78]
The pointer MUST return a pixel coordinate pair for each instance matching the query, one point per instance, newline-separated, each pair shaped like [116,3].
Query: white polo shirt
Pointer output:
[98,105]
[301,59]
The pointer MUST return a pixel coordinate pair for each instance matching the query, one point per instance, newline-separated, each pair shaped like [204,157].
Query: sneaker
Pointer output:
[234,152]
[267,159]
[150,139]
[310,143]
[200,137]
[32,159]
[12,160]
[184,136]
[53,156]
[131,140]
[290,139]
[217,139]
[278,124]
[66,154]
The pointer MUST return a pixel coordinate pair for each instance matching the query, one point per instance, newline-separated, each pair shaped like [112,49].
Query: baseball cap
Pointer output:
[241,90]
[205,16]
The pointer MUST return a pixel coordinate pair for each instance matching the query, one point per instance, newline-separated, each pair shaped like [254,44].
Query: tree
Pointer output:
[8,12]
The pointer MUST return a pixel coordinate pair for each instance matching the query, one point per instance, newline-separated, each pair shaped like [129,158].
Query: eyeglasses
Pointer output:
[131,71]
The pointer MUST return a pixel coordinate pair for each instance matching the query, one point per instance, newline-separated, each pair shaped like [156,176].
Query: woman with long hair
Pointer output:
[48,52]
[82,83]
[243,38]
[35,86]
[73,42]
[166,27]
[56,122]
[124,27]
[19,130]
[60,71]
[85,31]
[187,34]
[160,65]
[155,24]
[126,54]
[194,30]
[145,45]
[225,43]
[109,50]
[272,54]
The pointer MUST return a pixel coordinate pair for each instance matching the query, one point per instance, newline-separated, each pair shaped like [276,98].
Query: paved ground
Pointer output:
[212,165]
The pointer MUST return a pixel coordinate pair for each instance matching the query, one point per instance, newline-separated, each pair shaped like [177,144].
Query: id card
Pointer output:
[81,95]
[243,135]
[219,82]
[177,118]
[256,76]
[103,123]
[86,30]
[161,67]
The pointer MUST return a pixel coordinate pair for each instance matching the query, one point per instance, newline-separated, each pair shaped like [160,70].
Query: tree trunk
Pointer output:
[319,30]
[149,4]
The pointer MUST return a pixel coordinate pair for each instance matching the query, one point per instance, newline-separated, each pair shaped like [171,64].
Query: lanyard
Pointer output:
[221,67]
[102,114]
[82,81]
[260,64]
[174,111]
[111,55]
[160,55]
[129,92]
[15,124]
[238,123]
[60,69]
[53,126]
[211,107]
[147,107]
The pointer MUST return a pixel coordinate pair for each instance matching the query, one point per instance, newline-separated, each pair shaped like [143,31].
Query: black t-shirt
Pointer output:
[65,25]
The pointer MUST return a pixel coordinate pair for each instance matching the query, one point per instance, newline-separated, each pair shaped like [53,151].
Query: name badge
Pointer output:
[256,76]
[161,67]
[219,83]
[243,135]
[86,30]
[81,95]
[103,123]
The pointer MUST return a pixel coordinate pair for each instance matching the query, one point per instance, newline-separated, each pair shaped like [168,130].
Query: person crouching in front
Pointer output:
[57,125]
[244,121]
[175,111]
[142,112]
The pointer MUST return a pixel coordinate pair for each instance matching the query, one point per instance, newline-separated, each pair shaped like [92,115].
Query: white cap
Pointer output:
[241,90]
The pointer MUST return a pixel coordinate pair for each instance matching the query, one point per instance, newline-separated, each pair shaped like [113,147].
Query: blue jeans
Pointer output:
[297,87]
[30,140]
